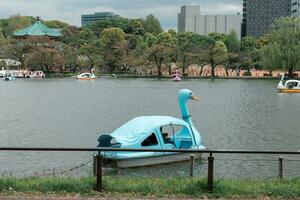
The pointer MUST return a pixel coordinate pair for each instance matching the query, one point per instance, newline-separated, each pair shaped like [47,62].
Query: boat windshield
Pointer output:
[292,84]
[176,135]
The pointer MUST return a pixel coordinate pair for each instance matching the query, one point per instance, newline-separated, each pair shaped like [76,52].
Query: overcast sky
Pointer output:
[70,10]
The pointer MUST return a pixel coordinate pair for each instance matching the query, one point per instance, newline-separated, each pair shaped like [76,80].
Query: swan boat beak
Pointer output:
[195,98]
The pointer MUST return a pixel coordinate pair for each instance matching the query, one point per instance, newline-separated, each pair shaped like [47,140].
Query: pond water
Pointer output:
[232,114]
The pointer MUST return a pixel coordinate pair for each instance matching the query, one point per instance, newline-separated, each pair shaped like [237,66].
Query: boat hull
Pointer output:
[289,90]
[151,160]
[86,79]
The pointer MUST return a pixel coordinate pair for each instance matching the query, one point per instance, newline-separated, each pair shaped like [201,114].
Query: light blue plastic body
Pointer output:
[134,132]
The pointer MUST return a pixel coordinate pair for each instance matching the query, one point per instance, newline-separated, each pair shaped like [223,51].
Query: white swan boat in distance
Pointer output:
[290,86]
[9,77]
[86,76]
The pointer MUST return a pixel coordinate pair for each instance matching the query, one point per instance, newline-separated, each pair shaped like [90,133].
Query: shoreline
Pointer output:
[131,76]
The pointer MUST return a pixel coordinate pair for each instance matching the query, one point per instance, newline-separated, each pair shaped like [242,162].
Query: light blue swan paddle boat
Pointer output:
[153,132]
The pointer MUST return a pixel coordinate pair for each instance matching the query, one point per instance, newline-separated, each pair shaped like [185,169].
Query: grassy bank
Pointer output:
[289,188]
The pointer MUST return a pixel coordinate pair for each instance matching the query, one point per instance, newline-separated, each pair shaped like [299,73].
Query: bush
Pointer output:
[247,73]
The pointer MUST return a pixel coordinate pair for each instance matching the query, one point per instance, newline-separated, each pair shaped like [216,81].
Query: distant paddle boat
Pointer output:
[36,74]
[290,86]
[153,132]
[176,76]
[86,76]
[9,77]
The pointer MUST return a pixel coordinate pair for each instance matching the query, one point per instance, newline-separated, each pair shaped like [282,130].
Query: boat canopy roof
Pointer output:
[293,81]
[141,127]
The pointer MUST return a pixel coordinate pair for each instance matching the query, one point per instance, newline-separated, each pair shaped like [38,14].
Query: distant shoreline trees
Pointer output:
[128,45]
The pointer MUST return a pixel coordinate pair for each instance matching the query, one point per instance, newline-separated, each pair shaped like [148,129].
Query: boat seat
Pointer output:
[185,144]
[104,141]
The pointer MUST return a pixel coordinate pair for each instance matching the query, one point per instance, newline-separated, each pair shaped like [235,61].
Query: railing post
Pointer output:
[210,173]
[99,172]
[192,159]
[94,165]
[280,167]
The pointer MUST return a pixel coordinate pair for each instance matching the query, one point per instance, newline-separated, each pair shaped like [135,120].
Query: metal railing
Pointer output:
[210,172]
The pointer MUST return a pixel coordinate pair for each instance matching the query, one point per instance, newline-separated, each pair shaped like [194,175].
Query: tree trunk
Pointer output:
[170,70]
[158,65]
[212,73]
[290,72]
[159,71]
[201,69]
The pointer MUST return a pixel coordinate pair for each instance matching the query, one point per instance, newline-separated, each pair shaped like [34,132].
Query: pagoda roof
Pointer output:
[38,29]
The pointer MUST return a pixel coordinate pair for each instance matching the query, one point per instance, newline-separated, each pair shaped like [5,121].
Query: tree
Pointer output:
[217,55]
[159,52]
[283,46]
[270,56]
[172,32]
[43,58]
[249,43]
[71,58]
[232,42]
[218,36]
[128,26]
[232,62]
[113,43]
[56,24]
[188,49]
[152,25]
[17,22]
[16,50]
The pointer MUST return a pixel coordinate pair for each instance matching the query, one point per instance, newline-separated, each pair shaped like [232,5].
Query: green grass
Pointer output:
[193,187]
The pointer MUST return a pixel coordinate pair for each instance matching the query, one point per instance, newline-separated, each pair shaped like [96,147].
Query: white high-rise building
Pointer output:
[295,8]
[190,20]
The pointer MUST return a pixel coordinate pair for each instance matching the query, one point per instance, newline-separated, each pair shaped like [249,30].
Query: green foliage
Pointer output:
[219,53]
[113,43]
[172,32]
[56,24]
[152,25]
[17,22]
[247,73]
[44,59]
[159,49]
[283,49]
[188,47]
[249,43]
[218,36]
[232,42]
[158,187]
[149,39]
[128,26]
[270,56]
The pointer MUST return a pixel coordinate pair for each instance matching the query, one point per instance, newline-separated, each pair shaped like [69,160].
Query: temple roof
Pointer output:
[38,29]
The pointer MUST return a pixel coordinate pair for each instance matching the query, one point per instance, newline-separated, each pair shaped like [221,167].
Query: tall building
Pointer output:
[258,15]
[295,8]
[87,19]
[191,20]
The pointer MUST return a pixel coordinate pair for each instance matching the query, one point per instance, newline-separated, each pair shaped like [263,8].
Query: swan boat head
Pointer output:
[280,84]
[184,96]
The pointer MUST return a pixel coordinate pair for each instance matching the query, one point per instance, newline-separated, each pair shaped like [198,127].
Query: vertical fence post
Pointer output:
[192,159]
[210,173]
[94,164]
[99,172]
[280,167]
